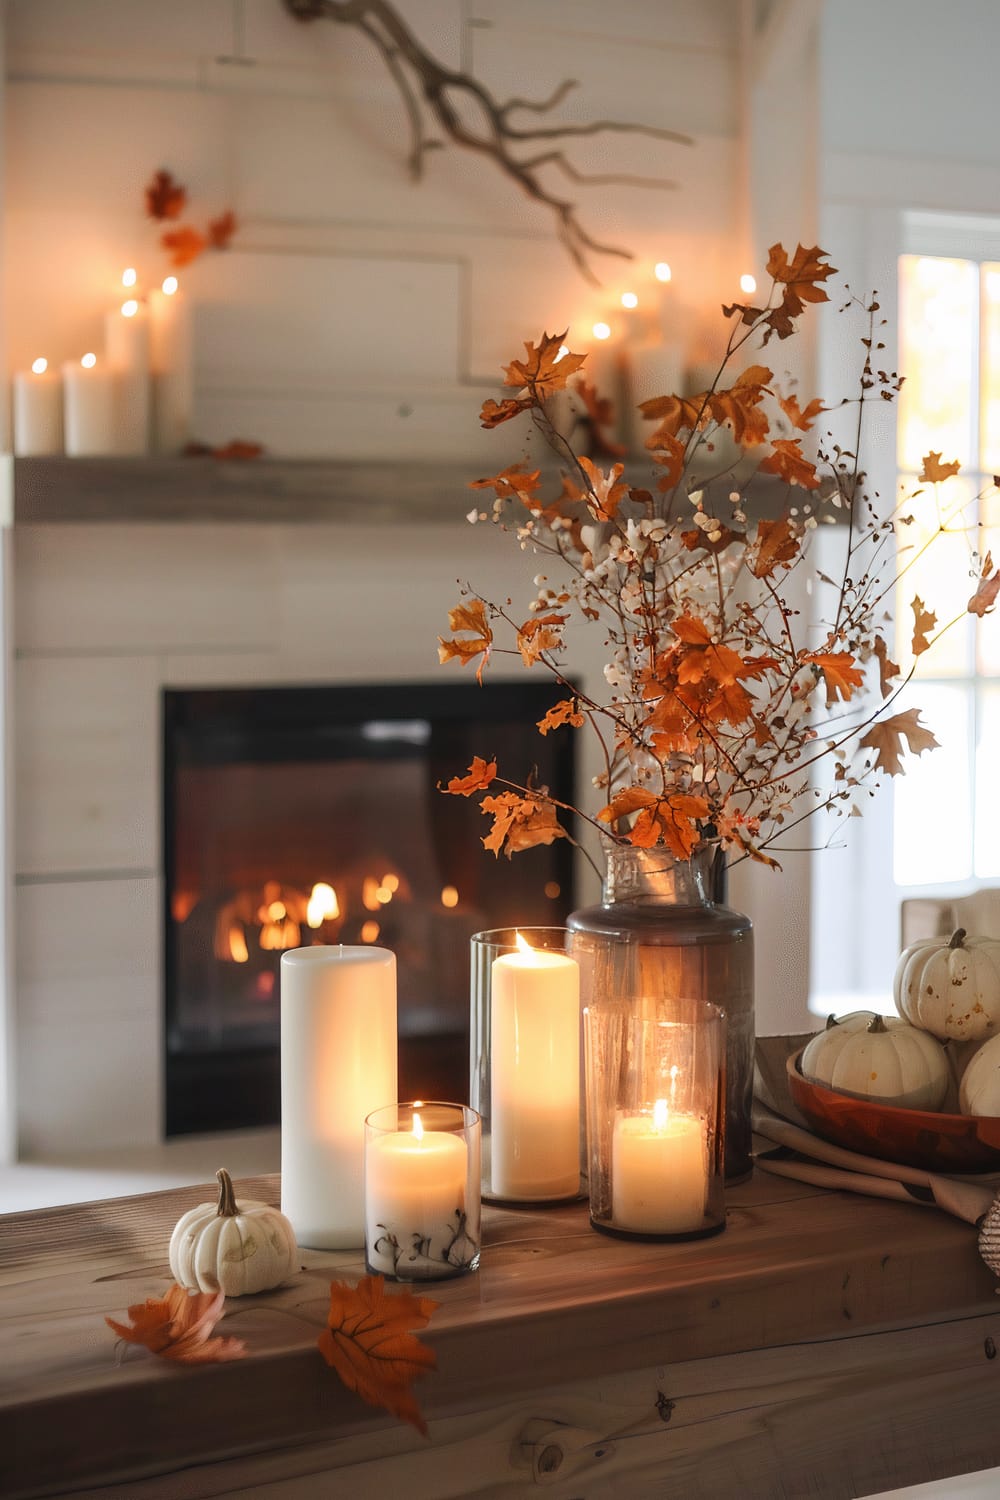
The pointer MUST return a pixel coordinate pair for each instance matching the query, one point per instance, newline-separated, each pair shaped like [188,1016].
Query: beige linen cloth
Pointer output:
[787,1140]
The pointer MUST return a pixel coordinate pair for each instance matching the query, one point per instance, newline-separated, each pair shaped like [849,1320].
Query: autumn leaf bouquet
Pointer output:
[726,699]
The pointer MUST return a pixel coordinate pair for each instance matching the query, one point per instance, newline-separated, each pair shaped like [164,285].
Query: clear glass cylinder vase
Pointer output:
[662,936]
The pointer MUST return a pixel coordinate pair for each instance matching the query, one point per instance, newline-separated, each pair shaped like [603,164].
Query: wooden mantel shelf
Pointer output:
[130,490]
[826,1345]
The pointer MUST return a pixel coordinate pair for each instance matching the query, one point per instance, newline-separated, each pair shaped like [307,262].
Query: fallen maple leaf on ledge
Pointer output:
[178,1326]
[369,1342]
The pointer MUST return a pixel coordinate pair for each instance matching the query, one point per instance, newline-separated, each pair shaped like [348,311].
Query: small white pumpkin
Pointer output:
[951,989]
[236,1250]
[886,1060]
[979,1091]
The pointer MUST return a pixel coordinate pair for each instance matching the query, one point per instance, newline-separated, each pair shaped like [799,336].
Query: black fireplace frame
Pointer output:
[241,1088]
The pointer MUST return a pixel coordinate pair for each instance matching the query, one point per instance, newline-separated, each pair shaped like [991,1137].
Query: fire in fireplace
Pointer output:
[300,815]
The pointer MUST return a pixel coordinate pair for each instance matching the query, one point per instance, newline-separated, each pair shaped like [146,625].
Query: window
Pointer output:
[936,830]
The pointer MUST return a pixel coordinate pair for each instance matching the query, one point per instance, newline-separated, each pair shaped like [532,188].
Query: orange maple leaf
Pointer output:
[799,418]
[566,711]
[887,738]
[165,198]
[787,460]
[839,673]
[670,455]
[669,820]
[178,1326]
[923,621]
[608,489]
[544,371]
[799,276]
[221,230]
[777,543]
[985,596]
[480,775]
[696,538]
[369,1341]
[493,412]
[471,617]
[185,244]
[933,470]
[514,480]
[537,636]
[676,414]
[740,406]
[520,823]
[887,668]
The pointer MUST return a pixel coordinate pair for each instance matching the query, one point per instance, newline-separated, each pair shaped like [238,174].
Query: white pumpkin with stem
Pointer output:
[951,988]
[979,1091]
[236,1250]
[883,1059]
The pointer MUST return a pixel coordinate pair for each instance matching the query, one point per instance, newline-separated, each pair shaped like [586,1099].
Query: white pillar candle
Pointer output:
[535,1075]
[127,345]
[38,411]
[415,1199]
[659,1172]
[338,1064]
[172,364]
[88,408]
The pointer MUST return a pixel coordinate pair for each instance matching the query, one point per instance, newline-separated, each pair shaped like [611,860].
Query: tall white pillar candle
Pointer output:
[338,1064]
[172,363]
[88,408]
[535,1075]
[38,411]
[127,345]
[659,1172]
[415,1198]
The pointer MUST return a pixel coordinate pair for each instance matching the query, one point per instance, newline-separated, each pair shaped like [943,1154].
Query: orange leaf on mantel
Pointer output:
[370,1343]
[178,1326]
[165,198]
[185,244]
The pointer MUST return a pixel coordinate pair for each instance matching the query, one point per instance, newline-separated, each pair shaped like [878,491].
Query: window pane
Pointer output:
[934,566]
[988,629]
[938,338]
[990,370]
[987,796]
[932,803]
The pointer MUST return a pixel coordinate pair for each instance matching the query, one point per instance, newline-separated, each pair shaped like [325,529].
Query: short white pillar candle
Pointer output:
[38,411]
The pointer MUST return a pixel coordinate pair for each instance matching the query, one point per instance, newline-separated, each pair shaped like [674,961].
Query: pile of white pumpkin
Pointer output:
[947,994]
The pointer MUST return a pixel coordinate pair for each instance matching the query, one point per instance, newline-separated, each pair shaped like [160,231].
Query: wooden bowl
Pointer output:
[912,1137]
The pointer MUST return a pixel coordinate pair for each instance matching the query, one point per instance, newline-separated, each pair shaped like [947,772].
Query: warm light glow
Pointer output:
[449,896]
[370,932]
[130,308]
[276,910]
[662,271]
[390,883]
[238,950]
[661,1114]
[418,1126]
[748,284]
[629,299]
[602,331]
[322,903]
[383,896]
[553,889]
[522,946]
[170,285]
[369,893]
[39,366]
[129,277]
[89,361]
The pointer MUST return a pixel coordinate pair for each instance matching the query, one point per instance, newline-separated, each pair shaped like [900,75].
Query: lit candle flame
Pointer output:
[661,1114]
[130,308]
[89,361]
[39,366]
[418,1125]
[629,299]
[523,946]
[129,276]
[748,284]
[602,331]
[662,271]
[170,285]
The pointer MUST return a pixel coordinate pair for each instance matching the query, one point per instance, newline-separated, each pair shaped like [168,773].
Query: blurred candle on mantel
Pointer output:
[38,411]
[172,363]
[338,1064]
[535,1074]
[88,408]
[127,343]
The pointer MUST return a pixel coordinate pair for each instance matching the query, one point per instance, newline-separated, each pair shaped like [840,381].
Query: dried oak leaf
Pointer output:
[566,711]
[777,543]
[537,636]
[184,244]
[887,738]
[165,198]
[923,621]
[545,370]
[670,456]
[514,480]
[799,418]
[839,673]
[471,617]
[493,412]
[933,470]
[608,490]
[479,776]
[887,668]
[520,823]
[178,1326]
[671,820]
[787,460]
[369,1341]
[799,277]
[221,230]
[696,539]
[985,596]
[740,406]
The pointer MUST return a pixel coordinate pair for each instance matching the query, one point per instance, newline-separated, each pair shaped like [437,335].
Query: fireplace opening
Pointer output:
[300,815]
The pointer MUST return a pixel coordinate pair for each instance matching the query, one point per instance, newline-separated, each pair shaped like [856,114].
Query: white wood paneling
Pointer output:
[86,766]
[130,29]
[88,986]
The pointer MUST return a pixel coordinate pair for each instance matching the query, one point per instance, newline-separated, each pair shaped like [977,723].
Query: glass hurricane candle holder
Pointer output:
[525,1063]
[656,1120]
[422,1207]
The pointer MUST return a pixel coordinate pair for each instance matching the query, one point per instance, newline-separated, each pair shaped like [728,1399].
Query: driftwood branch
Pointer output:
[438,98]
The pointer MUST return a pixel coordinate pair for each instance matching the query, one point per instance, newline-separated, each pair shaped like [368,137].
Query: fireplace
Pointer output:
[300,815]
